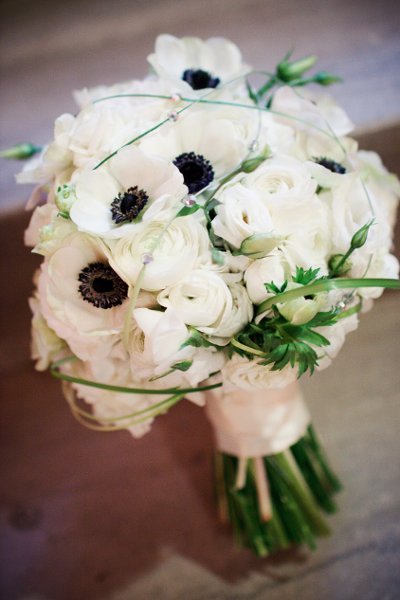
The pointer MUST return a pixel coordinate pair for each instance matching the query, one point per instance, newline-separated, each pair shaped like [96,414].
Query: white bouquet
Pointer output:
[210,232]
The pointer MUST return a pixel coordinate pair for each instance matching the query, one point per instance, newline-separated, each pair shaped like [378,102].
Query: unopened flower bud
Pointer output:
[288,71]
[360,237]
[337,266]
[65,197]
[20,152]
[324,78]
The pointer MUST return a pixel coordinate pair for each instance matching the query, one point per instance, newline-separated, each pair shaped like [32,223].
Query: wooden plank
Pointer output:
[86,515]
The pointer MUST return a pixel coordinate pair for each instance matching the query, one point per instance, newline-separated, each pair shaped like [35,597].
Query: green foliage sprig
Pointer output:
[282,343]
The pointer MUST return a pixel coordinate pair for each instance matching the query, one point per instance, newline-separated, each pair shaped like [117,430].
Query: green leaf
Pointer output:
[304,277]
[188,210]
[217,256]
[184,365]
[196,340]
[274,289]
[252,94]
[209,209]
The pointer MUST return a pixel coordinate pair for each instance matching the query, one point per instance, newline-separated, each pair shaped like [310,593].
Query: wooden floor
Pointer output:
[49,48]
[101,516]
[86,516]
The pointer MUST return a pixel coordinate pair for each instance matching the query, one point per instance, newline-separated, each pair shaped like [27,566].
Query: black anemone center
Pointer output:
[199,79]
[126,207]
[196,170]
[332,165]
[101,286]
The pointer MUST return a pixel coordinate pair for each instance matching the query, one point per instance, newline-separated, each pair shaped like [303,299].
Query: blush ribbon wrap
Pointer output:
[256,423]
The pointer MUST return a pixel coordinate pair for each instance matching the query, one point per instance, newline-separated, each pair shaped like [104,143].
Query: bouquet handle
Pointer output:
[273,481]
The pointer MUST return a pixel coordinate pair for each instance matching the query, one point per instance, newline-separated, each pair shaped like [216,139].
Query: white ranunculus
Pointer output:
[164,334]
[280,138]
[299,217]
[305,227]
[244,374]
[217,57]
[46,346]
[89,330]
[379,264]
[383,185]
[206,361]
[281,178]
[352,207]
[239,215]
[156,182]
[205,301]
[176,248]
[271,269]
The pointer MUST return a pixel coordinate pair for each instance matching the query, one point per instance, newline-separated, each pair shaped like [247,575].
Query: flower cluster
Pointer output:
[178,207]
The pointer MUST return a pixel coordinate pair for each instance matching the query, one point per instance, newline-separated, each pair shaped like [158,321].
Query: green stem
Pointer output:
[326,285]
[247,349]
[214,102]
[54,370]
[148,412]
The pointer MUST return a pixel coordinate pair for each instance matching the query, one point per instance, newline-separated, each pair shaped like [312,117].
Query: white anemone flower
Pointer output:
[203,64]
[205,144]
[130,188]
[82,298]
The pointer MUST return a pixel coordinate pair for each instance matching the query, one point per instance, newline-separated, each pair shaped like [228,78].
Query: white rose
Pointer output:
[132,187]
[176,250]
[241,373]
[205,301]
